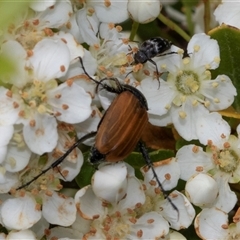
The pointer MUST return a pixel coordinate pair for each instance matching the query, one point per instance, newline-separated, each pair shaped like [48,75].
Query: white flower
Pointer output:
[41,102]
[29,28]
[145,11]
[114,213]
[221,161]
[182,213]
[228,12]
[189,91]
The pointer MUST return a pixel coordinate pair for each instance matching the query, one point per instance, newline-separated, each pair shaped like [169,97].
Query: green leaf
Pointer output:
[10,9]
[84,177]
[135,159]
[228,39]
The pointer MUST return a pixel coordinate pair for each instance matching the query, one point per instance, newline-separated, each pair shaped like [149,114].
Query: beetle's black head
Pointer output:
[140,57]
[95,157]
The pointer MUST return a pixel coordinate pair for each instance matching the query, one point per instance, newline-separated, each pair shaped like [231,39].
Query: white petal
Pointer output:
[207,51]
[76,50]
[40,227]
[43,136]
[50,59]
[6,133]
[24,234]
[134,195]
[88,26]
[106,98]
[228,12]
[2,236]
[117,11]
[186,126]
[227,198]
[184,216]
[88,204]
[8,181]
[20,213]
[8,114]
[40,6]
[73,105]
[89,125]
[212,127]
[168,173]
[170,62]
[152,226]
[202,190]
[211,224]
[173,235]
[192,159]
[220,96]
[17,158]
[163,120]
[62,233]
[156,95]
[72,168]
[56,16]
[59,209]
[109,182]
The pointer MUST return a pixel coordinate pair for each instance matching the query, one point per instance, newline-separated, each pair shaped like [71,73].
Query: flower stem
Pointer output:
[188,12]
[135,26]
[207,15]
[174,26]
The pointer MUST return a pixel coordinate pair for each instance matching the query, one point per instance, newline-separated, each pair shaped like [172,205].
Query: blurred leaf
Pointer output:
[182,142]
[191,3]
[228,39]
[84,177]
[230,112]
[190,233]
[9,9]
[135,159]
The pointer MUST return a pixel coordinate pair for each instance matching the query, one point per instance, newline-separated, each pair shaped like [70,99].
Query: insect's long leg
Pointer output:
[59,160]
[150,164]
[150,60]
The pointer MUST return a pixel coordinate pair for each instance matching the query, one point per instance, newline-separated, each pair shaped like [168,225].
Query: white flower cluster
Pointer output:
[46,100]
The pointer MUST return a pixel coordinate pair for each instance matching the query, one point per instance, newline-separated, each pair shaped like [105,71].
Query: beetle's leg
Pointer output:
[59,160]
[117,90]
[154,63]
[150,164]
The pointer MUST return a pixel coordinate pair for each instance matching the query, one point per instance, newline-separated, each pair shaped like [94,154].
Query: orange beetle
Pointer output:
[121,126]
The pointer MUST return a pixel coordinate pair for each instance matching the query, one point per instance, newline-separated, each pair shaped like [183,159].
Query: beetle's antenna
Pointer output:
[105,86]
[59,160]
[150,164]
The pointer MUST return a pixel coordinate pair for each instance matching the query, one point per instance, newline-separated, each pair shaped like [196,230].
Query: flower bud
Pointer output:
[144,11]
[109,182]
[202,190]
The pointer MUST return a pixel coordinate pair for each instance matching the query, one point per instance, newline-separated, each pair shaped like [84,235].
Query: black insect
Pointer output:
[153,47]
